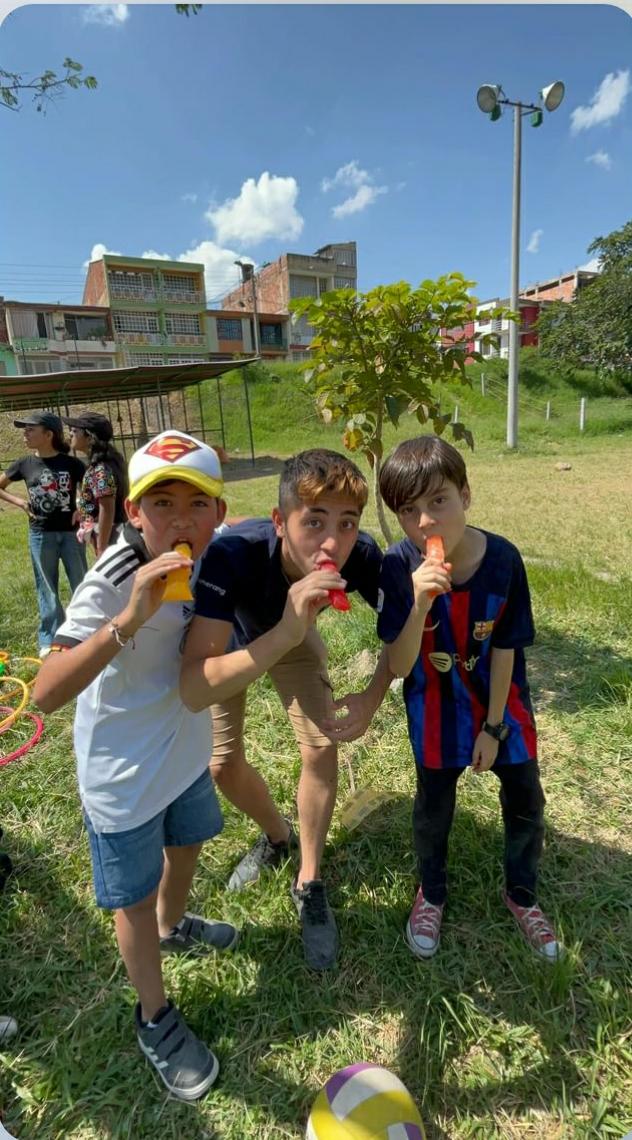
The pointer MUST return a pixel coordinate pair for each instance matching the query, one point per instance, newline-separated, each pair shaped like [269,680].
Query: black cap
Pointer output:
[92,422]
[43,419]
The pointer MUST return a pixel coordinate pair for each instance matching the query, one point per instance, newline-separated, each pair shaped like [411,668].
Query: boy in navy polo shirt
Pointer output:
[259,591]
[456,630]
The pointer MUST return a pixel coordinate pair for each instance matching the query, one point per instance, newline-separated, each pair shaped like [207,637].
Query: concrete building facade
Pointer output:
[157,307]
[37,338]
[295,275]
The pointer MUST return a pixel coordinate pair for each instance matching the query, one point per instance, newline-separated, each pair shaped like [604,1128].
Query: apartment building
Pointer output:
[37,338]
[562,288]
[157,307]
[231,333]
[529,313]
[295,275]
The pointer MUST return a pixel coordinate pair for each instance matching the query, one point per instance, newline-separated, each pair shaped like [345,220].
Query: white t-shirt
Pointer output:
[137,746]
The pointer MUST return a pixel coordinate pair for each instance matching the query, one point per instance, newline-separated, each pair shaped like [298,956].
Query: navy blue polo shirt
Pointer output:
[241,578]
[447,691]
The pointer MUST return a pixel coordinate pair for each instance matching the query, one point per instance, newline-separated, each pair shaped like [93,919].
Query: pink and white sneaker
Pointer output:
[424,927]
[537,930]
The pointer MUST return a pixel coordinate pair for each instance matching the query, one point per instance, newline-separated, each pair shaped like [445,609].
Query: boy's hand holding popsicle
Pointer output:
[433,576]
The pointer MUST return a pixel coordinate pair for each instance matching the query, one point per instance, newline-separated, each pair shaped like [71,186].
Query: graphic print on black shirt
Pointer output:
[52,487]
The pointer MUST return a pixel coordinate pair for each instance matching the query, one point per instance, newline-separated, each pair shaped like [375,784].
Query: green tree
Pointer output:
[376,355]
[596,327]
[43,88]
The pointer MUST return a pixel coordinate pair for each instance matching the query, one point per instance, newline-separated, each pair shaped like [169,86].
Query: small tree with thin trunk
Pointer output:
[379,354]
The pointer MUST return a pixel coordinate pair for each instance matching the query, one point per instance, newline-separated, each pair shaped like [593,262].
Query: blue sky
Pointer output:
[246,131]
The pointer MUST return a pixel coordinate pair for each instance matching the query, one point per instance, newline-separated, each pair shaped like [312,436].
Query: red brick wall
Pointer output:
[95,290]
[272,290]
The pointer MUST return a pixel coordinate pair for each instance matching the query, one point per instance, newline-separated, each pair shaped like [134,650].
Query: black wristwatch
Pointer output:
[499,732]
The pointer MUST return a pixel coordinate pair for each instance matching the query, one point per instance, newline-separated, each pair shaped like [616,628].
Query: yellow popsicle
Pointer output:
[177,588]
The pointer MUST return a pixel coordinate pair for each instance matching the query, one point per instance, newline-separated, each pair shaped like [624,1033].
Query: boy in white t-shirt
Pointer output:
[142,757]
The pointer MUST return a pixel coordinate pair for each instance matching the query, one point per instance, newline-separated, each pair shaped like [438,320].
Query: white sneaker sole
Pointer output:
[417,950]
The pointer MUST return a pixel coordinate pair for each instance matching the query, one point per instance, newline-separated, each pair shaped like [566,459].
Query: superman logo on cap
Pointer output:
[172,448]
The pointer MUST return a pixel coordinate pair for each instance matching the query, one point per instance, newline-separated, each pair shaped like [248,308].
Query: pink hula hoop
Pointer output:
[24,748]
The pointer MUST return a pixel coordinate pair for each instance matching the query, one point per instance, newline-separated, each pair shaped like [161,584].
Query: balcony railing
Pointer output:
[123,294]
[195,297]
[165,340]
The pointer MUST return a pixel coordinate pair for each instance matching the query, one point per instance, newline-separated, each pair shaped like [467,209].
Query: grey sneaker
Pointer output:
[8,1028]
[264,854]
[182,1061]
[194,933]
[318,925]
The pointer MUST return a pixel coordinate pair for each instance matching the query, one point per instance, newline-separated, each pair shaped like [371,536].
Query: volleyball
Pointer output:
[364,1102]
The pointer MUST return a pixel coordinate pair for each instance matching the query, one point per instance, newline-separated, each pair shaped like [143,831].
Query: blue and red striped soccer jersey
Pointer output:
[447,691]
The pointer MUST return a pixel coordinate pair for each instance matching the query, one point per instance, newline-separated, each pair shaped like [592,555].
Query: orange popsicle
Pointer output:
[435,549]
[177,588]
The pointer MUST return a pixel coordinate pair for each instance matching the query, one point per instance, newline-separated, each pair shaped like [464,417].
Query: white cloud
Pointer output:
[349,175]
[97,253]
[108,15]
[600,158]
[362,198]
[534,241]
[220,272]
[592,266]
[309,130]
[189,197]
[263,209]
[607,101]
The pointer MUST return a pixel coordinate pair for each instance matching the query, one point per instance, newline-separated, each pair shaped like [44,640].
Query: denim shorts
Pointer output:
[127,865]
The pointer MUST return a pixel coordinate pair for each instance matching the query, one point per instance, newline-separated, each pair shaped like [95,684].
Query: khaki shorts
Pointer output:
[301,680]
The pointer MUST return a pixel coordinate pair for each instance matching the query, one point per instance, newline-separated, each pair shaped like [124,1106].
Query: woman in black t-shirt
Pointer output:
[51,476]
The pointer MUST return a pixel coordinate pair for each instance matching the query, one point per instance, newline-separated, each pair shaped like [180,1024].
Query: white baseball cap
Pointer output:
[174,455]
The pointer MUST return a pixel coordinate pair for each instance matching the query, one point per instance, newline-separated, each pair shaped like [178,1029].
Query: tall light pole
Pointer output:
[248,274]
[490,98]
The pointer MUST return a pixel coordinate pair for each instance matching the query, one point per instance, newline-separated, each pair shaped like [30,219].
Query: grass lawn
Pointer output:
[491,1042]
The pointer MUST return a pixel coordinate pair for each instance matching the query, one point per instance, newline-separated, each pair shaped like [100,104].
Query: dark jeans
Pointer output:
[522,801]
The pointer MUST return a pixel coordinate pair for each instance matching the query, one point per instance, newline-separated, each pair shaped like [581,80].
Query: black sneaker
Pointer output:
[182,1061]
[320,933]
[263,855]
[194,933]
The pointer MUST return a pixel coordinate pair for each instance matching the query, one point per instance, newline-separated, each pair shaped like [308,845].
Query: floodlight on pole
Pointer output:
[487,97]
[552,95]
[490,98]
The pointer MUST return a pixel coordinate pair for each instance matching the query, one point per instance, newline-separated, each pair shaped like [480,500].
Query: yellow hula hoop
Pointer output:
[25,696]
[32,660]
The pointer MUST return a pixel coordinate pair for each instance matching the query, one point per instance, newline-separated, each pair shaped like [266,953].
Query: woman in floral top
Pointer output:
[101,497]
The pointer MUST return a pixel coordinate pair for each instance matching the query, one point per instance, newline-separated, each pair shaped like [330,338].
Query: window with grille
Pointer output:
[229,330]
[124,284]
[186,287]
[344,257]
[135,322]
[147,359]
[184,359]
[343,283]
[182,323]
[302,286]
[271,334]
